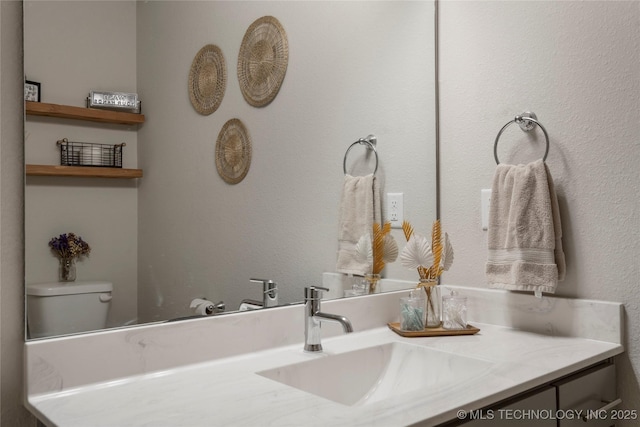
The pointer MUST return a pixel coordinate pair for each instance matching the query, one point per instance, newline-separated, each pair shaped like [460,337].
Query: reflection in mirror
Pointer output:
[181,233]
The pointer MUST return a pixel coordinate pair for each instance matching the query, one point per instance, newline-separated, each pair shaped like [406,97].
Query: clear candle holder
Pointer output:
[412,312]
[454,312]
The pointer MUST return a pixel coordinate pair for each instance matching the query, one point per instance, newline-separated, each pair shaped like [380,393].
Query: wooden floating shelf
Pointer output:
[83,171]
[80,113]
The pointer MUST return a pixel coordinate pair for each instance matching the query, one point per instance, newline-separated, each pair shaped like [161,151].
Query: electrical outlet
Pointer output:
[485,202]
[395,209]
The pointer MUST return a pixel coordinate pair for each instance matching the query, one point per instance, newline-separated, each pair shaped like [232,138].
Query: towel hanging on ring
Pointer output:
[360,207]
[525,234]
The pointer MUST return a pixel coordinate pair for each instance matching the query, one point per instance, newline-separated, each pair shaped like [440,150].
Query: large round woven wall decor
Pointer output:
[233,152]
[262,61]
[207,79]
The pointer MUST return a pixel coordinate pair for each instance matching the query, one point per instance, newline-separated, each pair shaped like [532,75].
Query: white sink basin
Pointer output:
[372,374]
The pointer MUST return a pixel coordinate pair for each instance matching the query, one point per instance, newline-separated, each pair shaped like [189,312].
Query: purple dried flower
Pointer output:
[69,246]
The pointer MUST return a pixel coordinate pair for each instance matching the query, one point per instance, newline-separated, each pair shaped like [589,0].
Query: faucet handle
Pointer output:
[264,282]
[314,292]
[269,287]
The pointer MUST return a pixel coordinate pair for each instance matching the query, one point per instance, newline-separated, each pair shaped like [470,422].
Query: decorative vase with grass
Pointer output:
[430,259]
[68,248]
[376,249]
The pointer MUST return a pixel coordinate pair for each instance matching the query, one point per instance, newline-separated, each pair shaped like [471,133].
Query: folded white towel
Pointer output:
[359,209]
[525,234]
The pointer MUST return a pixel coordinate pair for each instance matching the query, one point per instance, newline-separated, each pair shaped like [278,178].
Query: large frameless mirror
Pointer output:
[181,232]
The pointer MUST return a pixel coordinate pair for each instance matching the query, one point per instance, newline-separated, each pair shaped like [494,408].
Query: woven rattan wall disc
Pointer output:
[233,151]
[262,61]
[207,79]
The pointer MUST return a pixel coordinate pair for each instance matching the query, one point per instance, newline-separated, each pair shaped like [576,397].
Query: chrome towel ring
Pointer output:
[370,143]
[527,121]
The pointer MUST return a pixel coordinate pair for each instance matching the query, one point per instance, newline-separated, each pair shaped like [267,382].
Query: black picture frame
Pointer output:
[32,91]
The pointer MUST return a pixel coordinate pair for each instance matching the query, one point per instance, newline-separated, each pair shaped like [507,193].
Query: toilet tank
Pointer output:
[60,308]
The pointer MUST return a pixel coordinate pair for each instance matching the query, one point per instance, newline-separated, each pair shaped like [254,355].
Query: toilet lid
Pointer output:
[68,288]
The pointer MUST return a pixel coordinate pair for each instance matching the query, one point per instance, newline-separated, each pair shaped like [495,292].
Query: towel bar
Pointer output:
[370,142]
[526,121]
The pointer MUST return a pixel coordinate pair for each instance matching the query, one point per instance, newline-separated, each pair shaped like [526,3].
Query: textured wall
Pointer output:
[11,218]
[577,66]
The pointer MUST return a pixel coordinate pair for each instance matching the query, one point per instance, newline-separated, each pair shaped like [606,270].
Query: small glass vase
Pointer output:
[454,312]
[67,270]
[433,303]
[372,280]
[412,311]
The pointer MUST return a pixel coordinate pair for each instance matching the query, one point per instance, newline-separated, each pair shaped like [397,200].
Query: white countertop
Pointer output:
[226,390]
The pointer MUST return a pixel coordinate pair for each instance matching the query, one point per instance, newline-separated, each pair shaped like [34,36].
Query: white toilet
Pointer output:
[60,308]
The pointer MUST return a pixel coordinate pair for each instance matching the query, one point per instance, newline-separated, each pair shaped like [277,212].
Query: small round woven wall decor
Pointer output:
[233,151]
[207,79]
[262,61]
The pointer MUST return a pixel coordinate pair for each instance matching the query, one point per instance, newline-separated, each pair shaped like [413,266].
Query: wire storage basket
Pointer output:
[90,154]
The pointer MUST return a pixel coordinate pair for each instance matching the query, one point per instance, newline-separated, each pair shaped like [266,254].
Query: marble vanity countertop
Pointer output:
[203,372]
[228,392]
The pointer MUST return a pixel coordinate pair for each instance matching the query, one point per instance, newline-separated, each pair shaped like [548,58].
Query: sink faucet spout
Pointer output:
[346,324]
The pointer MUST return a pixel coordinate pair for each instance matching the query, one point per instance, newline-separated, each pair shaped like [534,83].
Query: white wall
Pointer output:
[353,70]
[71,48]
[12,413]
[577,66]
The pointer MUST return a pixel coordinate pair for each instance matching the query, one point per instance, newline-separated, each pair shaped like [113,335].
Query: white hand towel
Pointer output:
[525,234]
[359,209]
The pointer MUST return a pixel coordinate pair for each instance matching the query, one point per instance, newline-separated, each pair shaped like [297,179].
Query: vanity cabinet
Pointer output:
[519,411]
[587,393]
[84,114]
[576,400]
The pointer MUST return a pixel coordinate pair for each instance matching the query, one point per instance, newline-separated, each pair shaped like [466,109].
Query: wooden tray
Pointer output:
[433,332]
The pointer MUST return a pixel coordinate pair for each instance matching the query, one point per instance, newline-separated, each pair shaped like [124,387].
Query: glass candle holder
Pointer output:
[360,287]
[412,314]
[454,312]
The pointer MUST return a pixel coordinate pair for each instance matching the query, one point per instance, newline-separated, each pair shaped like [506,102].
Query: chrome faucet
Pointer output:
[269,292]
[313,317]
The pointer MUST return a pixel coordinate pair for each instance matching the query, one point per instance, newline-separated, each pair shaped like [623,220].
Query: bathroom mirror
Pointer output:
[181,232]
